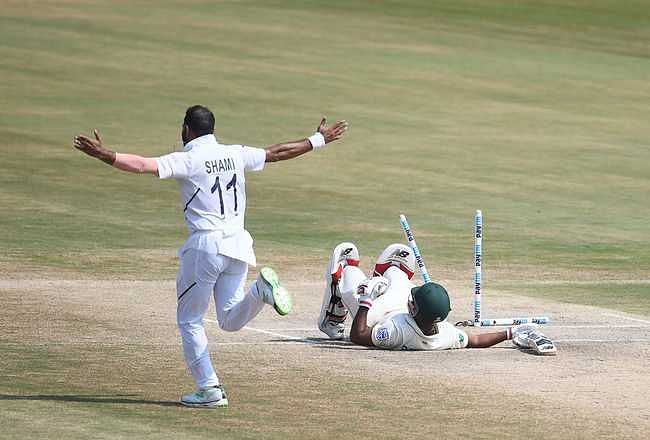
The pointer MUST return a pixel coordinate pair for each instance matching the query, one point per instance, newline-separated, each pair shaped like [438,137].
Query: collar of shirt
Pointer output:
[201,140]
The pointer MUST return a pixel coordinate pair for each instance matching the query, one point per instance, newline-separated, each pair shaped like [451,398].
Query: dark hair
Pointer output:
[200,120]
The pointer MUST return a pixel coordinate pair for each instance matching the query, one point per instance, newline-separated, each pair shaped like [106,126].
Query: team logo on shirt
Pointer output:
[382,334]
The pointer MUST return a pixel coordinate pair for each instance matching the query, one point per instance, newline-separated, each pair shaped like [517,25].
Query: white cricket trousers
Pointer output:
[394,300]
[200,276]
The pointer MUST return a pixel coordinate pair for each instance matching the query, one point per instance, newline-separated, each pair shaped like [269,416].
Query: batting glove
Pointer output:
[371,289]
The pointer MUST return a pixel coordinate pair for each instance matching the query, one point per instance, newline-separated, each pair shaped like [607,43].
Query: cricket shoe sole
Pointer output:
[268,283]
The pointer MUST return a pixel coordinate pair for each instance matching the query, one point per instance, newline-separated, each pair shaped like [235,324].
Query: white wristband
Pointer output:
[316,140]
[366,301]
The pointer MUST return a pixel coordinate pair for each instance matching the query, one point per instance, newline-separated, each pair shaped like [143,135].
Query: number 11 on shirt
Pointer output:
[217,187]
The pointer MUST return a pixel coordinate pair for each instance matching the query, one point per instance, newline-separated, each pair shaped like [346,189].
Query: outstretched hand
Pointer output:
[88,145]
[94,147]
[334,132]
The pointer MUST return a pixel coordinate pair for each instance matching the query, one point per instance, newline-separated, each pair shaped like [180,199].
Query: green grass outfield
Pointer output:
[535,112]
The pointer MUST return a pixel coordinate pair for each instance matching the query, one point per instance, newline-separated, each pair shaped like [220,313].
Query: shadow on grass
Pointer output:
[324,343]
[345,344]
[89,399]
[312,341]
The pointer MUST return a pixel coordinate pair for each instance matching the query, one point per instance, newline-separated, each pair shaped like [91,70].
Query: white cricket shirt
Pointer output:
[213,194]
[399,331]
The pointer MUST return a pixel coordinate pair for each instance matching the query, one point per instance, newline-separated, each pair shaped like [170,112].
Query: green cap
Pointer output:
[431,299]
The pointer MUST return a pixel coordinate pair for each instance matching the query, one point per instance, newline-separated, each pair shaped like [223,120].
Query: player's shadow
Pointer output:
[345,344]
[324,343]
[118,399]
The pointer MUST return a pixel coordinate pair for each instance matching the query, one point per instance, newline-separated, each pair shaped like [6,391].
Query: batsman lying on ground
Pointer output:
[392,313]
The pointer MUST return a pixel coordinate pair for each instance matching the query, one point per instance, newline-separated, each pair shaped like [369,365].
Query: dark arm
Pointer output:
[486,340]
[360,333]
[289,150]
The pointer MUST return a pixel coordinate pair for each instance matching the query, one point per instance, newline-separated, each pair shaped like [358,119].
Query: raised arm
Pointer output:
[131,163]
[324,135]
[368,291]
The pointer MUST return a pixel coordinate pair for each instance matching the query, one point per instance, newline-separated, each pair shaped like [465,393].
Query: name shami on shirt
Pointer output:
[217,166]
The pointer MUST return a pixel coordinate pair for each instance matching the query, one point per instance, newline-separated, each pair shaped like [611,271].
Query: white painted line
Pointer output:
[598,326]
[624,341]
[547,326]
[169,345]
[266,332]
[306,329]
[325,341]
[310,329]
[583,283]
[285,342]
[306,340]
[613,315]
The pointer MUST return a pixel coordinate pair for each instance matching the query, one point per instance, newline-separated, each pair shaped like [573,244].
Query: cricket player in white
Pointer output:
[215,258]
[392,313]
